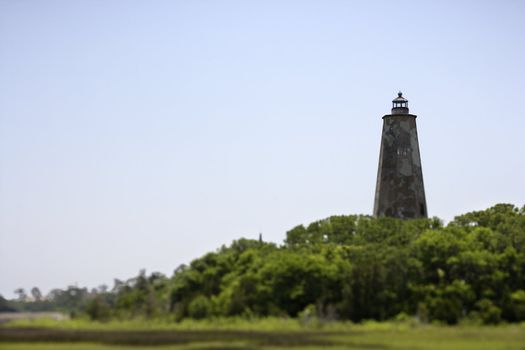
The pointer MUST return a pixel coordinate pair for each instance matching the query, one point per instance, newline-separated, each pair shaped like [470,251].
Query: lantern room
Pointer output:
[400,104]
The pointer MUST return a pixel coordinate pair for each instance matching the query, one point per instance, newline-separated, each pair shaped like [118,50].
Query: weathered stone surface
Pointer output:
[399,190]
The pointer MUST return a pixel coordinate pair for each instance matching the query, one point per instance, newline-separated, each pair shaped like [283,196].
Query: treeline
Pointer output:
[71,300]
[346,268]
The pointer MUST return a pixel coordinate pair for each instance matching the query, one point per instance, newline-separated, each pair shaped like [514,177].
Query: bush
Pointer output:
[488,312]
[518,305]
[98,309]
[200,307]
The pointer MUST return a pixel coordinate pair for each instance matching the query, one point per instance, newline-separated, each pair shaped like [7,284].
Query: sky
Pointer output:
[143,134]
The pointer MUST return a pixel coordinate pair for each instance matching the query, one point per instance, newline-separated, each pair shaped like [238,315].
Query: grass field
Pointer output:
[79,335]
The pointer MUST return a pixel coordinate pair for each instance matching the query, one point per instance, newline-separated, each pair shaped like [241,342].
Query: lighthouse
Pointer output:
[400,192]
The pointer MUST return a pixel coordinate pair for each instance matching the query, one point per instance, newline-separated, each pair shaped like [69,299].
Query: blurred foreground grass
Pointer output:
[258,334]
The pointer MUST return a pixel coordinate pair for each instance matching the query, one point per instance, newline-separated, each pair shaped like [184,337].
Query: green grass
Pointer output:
[231,323]
[266,334]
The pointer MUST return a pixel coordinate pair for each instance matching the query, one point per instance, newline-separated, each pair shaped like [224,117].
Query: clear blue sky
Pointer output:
[142,134]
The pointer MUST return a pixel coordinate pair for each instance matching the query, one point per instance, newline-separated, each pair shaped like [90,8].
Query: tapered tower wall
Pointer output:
[399,190]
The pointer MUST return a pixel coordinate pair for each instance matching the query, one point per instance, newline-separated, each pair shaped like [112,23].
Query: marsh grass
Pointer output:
[242,334]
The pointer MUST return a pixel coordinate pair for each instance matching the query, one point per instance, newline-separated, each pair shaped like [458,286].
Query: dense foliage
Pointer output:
[347,267]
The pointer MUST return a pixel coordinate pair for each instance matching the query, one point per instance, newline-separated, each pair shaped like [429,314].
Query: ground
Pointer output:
[343,336]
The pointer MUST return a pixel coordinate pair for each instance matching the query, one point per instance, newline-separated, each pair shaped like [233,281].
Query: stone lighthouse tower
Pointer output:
[399,190]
